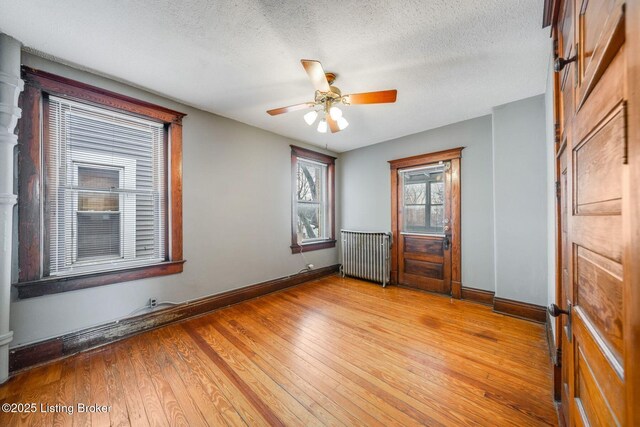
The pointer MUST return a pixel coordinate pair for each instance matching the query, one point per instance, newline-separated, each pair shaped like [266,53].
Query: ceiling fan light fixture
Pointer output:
[311,117]
[322,126]
[342,123]
[335,113]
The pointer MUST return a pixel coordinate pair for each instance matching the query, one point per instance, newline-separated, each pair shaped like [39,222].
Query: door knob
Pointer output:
[446,243]
[559,63]
[556,311]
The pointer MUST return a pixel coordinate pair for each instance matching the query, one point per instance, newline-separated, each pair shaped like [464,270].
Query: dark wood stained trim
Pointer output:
[478,295]
[554,351]
[423,159]
[456,289]
[312,155]
[55,285]
[29,185]
[331,184]
[523,310]
[33,211]
[175,213]
[631,273]
[64,87]
[38,353]
[296,249]
[547,13]
[395,236]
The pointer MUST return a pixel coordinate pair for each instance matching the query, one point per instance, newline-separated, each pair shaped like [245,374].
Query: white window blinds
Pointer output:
[105,188]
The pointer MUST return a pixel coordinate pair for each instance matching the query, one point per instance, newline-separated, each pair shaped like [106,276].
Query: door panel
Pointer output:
[599,294]
[598,169]
[592,98]
[424,245]
[596,239]
[566,49]
[424,268]
[600,35]
[423,261]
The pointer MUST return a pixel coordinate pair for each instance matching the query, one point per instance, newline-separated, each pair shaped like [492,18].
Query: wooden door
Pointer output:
[591,174]
[426,222]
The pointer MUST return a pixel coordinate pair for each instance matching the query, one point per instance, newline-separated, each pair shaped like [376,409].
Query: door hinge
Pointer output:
[558,190]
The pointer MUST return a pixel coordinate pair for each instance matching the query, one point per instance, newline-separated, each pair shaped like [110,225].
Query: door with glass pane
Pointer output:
[425,193]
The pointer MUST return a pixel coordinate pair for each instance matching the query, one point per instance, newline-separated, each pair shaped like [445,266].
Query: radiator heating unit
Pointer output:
[366,255]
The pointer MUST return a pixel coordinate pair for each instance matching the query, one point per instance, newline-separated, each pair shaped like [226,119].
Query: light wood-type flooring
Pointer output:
[330,352]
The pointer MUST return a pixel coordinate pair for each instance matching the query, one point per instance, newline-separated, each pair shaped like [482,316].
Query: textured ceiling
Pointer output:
[449,59]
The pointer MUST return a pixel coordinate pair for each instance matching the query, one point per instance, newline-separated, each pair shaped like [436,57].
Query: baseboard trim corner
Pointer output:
[30,355]
[523,310]
[480,296]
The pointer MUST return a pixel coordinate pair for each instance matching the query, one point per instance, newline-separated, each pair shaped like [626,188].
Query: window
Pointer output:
[110,208]
[312,200]
[423,200]
[106,188]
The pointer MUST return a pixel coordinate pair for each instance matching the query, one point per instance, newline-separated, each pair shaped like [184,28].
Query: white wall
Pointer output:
[237,213]
[366,189]
[520,196]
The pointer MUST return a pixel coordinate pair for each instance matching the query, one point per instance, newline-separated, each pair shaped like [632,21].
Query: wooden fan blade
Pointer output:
[290,108]
[316,74]
[380,97]
[333,125]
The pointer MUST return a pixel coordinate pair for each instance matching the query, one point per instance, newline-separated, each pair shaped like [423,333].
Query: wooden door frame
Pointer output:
[631,218]
[453,155]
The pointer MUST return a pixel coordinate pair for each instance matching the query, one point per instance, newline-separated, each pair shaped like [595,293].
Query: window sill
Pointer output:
[55,285]
[308,247]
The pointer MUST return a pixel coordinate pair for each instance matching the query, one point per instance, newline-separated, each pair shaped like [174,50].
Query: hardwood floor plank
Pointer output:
[172,409]
[99,391]
[118,414]
[209,400]
[377,364]
[391,335]
[66,393]
[234,376]
[191,411]
[132,397]
[315,401]
[152,404]
[83,387]
[422,381]
[278,399]
[349,408]
[336,351]
[382,394]
[199,362]
[441,335]
[307,409]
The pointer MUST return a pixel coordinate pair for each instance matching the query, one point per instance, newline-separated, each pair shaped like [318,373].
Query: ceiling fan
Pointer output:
[327,96]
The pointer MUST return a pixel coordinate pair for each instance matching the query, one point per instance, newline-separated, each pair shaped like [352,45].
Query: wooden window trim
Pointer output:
[304,153]
[33,279]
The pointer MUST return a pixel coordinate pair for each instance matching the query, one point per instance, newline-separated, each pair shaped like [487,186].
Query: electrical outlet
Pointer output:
[153,302]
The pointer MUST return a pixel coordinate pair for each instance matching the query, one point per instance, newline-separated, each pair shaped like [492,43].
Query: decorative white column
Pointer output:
[10,87]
